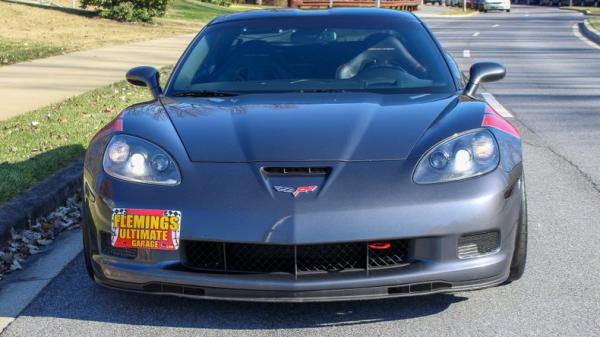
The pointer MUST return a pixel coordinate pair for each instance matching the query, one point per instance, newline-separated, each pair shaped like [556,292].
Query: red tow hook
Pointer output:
[380,245]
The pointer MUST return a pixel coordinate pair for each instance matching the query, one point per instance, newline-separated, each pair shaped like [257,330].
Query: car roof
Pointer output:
[334,12]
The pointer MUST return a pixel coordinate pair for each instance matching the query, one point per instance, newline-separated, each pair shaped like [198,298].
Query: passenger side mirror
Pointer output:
[483,72]
[145,76]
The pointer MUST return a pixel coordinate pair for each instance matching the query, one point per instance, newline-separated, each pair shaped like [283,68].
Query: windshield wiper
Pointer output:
[204,93]
[321,90]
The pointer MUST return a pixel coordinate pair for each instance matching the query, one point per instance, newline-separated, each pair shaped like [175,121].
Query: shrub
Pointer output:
[224,3]
[130,10]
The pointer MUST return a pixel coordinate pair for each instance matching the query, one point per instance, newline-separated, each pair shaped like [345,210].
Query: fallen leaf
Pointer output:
[15,266]
[44,242]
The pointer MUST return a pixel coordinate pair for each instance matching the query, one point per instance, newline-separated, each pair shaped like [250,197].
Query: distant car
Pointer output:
[307,156]
[494,5]
[433,2]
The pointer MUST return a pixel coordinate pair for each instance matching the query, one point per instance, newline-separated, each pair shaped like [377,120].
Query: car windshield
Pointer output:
[313,54]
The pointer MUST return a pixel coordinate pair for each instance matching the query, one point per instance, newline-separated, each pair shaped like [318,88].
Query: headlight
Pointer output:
[134,159]
[464,156]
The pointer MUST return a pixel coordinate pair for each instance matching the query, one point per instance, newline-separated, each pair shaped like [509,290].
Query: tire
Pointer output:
[87,253]
[508,11]
[517,266]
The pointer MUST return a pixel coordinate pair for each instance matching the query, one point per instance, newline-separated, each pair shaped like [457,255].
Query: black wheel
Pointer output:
[87,253]
[485,10]
[508,11]
[517,266]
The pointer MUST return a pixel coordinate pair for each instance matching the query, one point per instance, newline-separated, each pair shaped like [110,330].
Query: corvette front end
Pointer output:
[309,195]
[277,246]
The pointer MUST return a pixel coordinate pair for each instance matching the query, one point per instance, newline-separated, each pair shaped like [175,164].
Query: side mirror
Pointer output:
[483,72]
[145,76]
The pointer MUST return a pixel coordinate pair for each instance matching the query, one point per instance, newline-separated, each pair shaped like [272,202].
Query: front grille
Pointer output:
[259,258]
[224,257]
[391,257]
[107,248]
[333,257]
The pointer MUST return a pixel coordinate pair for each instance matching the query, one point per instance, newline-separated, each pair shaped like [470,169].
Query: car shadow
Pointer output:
[73,296]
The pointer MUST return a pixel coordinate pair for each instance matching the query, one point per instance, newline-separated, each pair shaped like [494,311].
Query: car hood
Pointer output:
[303,127]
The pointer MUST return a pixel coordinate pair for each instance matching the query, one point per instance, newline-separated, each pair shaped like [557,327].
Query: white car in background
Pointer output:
[491,5]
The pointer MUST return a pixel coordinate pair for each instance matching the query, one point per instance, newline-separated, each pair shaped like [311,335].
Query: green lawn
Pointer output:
[595,22]
[30,32]
[457,11]
[41,142]
[195,10]
[13,52]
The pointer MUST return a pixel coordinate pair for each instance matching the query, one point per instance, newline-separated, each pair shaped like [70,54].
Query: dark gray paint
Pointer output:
[371,142]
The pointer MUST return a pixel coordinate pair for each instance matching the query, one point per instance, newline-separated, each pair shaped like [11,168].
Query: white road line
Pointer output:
[583,38]
[493,102]
[496,25]
[476,34]
[466,53]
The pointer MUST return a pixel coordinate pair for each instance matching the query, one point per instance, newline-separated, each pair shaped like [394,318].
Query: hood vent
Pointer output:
[296,171]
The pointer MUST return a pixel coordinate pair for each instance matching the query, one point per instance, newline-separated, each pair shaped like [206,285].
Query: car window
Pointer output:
[314,54]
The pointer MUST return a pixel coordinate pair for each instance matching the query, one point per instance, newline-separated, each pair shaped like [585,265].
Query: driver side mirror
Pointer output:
[145,76]
[483,72]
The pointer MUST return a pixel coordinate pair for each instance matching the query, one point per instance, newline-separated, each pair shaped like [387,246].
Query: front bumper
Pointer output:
[426,280]
[433,217]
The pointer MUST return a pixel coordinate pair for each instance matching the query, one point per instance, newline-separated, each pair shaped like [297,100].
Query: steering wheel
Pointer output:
[374,74]
[388,51]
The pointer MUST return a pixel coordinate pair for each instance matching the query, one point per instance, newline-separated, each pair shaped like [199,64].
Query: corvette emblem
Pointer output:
[297,190]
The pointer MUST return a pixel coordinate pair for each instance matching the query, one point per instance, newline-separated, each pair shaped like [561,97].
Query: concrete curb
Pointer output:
[447,16]
[18,290]
[588,31]
[582,11]
[41,199]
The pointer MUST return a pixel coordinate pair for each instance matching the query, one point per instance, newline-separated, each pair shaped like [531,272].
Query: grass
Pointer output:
[38,143]
[29,32]
[195,10]
[458,11]
[13,52]
[595,22]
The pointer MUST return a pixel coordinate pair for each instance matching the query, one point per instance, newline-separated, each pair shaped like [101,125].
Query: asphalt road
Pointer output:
[553,89]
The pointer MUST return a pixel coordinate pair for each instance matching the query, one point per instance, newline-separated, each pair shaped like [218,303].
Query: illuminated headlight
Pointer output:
[134,159]
[460,157]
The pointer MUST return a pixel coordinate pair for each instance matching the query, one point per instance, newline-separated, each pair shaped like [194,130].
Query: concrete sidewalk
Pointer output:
[30,85]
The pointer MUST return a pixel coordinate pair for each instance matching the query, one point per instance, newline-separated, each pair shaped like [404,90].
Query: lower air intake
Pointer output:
[226,257]
[107,248]
[475,245]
